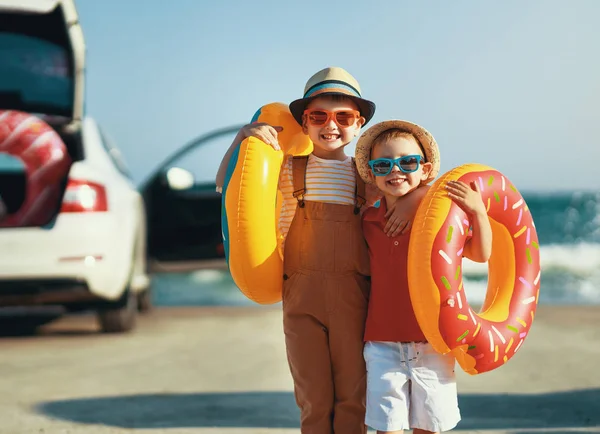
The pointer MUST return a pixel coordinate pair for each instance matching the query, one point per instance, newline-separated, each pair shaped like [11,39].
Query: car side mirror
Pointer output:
[179,179]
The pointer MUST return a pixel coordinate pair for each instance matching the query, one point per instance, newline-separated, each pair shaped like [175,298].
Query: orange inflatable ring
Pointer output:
[481,341]
[252,204]
[46,162]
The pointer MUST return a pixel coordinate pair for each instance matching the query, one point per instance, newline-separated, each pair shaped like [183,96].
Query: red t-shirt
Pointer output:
[390,317]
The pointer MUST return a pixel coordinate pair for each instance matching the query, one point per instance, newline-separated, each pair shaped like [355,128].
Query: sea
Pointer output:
[568,228]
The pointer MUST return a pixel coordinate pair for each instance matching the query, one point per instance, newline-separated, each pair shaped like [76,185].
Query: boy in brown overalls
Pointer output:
[326,262]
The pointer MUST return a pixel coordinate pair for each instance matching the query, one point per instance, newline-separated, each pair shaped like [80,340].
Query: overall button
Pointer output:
[395,243]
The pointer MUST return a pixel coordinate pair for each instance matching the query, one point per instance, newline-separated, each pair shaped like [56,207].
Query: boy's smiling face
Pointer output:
[398,183]
[330,139]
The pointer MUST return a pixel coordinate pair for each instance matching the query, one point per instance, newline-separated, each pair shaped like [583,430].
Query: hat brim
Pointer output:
[365,144]
[366,107]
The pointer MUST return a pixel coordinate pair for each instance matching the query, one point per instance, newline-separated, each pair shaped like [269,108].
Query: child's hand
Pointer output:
[402,213]
[468,198]
[264,132]
[398,219]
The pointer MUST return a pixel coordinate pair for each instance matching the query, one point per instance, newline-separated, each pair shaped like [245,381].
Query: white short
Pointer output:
[409,385]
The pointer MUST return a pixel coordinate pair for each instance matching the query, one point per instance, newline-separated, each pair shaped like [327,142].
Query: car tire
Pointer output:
[144,300]
[121,317]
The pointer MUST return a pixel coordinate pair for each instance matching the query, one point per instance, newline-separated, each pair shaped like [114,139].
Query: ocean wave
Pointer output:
[570,275]
[582,259]
[552,291]
[201,288]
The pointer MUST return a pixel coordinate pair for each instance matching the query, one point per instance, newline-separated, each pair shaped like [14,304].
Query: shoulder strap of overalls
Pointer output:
[360,192]
[299,164]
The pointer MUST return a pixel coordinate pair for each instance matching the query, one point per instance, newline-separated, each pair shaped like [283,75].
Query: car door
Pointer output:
[183,209]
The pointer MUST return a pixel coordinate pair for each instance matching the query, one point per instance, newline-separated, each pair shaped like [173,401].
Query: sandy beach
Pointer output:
[223,370]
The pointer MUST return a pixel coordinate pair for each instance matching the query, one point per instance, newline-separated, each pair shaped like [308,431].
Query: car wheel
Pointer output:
[121,317]
[144,300]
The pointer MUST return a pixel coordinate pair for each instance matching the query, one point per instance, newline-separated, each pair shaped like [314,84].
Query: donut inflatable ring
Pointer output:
[251,205]
[482,341]
[46,162]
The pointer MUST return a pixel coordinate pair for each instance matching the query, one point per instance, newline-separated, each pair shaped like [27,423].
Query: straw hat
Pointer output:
[332,81]
[425,139]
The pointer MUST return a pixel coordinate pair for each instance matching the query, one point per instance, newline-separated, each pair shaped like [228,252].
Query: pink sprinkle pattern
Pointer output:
[524,282]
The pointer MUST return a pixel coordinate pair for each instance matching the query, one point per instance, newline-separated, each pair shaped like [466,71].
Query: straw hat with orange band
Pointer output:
[332,81]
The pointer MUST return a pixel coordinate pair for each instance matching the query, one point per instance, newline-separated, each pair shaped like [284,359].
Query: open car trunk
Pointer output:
[42,54]
[42,63]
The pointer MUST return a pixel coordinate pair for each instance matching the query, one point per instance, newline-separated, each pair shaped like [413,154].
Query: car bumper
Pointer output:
[89,250]
[33,292]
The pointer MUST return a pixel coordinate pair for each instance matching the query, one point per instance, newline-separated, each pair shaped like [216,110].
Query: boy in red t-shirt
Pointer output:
[409,385]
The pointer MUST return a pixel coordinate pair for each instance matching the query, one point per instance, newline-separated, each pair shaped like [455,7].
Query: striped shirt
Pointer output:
[329,181]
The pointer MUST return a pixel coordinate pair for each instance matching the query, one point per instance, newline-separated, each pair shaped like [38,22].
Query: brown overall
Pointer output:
[325,298]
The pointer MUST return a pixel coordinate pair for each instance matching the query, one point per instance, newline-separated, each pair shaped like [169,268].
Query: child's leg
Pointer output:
[348,301]
[388,387]
[422,431]
[415,431]
[308,353]
[434,398]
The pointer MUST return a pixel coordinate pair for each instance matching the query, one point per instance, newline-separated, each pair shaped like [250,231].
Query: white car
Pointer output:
[92,253]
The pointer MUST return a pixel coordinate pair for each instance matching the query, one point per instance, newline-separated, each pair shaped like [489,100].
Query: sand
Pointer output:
[223,370]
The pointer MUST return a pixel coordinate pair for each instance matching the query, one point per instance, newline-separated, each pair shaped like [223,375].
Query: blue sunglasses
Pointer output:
[407,164]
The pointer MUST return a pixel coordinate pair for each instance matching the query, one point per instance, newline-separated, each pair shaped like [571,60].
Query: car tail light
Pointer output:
[84,196]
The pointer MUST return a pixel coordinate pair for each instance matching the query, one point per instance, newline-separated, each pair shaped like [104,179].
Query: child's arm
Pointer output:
[400,216]
[479,247]
[373,195]
[262,131]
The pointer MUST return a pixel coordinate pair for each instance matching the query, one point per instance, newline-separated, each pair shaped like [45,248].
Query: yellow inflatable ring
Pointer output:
[251,204]
[486,340]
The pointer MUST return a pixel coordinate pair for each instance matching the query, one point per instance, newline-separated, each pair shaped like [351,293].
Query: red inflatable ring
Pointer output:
[486,340]
[46,162]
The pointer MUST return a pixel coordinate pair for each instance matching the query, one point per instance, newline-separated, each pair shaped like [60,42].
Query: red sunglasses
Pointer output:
[343,118]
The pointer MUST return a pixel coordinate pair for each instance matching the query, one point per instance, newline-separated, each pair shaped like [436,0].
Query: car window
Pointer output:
[34,75]
[114,153]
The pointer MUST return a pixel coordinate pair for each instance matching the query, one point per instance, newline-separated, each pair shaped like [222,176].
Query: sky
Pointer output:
[514,85]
